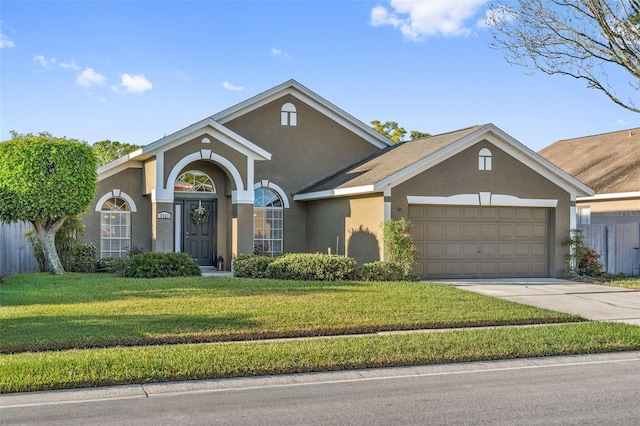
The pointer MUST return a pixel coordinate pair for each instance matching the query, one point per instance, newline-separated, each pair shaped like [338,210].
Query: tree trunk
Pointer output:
[47,237]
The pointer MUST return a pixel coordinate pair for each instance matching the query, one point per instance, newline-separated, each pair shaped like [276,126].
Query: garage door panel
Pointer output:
[435,231]
[434,250]
[452,250]
[470,231]
[461,241]
[417,230]
[452,231]
[539,249]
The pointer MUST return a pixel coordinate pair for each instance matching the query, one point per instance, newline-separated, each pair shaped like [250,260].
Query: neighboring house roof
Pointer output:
[609,163]
[401,162]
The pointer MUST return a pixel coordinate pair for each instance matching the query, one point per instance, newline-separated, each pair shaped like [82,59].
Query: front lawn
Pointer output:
[45,312]
[85,330]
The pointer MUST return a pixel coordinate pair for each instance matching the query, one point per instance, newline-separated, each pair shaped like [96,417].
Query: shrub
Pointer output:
[399,245]
[385,271]
[251,265]
[84,258]
[313,267]
[162,265]
[582,260]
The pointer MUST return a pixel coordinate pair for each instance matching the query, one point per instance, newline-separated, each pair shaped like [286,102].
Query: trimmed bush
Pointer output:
[251,266]
[385,271]
[313,267]
[381,271]
[162,265]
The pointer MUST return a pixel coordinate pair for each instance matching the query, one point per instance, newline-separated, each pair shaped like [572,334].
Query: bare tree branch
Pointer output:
[583,39]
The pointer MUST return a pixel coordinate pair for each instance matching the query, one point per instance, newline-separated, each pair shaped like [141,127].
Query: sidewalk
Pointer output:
[591,301]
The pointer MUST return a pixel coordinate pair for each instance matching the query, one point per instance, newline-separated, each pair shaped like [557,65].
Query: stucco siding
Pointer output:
[351,226]
[460,175]
[130,182]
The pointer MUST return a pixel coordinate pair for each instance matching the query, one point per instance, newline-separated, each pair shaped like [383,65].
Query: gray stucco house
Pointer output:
[288,171]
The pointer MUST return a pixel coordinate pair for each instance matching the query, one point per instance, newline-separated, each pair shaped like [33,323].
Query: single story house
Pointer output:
[288,171]
[608,163]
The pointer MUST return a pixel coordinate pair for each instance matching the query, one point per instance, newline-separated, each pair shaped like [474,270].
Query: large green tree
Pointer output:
[392,131]
[44,180]
[107,151]
[589,40]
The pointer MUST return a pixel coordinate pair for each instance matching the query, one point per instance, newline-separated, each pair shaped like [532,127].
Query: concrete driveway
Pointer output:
[591,301]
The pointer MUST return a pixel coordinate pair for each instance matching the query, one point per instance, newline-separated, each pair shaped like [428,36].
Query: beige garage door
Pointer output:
[480,242]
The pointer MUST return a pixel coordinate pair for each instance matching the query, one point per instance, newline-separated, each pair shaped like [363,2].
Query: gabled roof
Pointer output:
[401,162]
[216,123]
[293,88]
[609,163]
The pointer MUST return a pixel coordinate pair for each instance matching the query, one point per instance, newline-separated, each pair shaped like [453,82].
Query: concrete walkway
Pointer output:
[591,301]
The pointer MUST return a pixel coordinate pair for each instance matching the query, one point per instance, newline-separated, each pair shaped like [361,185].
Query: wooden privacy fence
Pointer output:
[16,254]
[619,246]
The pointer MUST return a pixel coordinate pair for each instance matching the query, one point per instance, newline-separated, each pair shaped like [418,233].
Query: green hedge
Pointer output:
[313,267]
[385,271]
[251,266]
[161,265]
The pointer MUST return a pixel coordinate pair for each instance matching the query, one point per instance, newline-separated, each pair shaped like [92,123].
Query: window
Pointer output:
[268,215]
[115,225]
[194,181]
[583,215]
[484,159]
[288,115]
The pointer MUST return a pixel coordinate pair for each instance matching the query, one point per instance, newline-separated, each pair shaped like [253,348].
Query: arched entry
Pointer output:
[196,213]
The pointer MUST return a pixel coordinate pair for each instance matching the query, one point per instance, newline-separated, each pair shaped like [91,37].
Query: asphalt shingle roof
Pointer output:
[609,163]
[389,161]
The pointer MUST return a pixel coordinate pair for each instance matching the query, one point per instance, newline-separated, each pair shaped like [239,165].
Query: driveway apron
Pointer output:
[590,301]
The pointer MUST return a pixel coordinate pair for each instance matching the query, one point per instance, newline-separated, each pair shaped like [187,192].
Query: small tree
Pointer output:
[399,245]
[43,180]
[107,151]
[392,131]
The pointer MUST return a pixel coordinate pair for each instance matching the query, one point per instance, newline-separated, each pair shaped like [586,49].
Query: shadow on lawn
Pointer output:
[30,289]
[85,331]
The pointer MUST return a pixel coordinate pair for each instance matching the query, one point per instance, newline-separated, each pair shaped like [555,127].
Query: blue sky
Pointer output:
[136,71]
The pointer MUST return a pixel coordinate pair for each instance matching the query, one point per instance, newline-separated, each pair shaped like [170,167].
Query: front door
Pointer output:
[199,230]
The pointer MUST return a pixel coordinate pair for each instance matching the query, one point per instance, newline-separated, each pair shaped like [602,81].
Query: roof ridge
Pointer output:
[601,134]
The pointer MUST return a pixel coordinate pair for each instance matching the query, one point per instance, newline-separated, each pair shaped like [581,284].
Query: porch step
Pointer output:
[212,271]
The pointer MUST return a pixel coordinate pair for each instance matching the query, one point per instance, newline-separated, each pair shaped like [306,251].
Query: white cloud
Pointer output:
[418,19]
[5,42]
[231,87]
[89,77]
[44,62]
[181,75]
[277,52]
[69,65]
[135,83]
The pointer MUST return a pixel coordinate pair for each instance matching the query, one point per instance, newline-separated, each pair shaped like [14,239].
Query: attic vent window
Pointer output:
[288,115]
[484,159]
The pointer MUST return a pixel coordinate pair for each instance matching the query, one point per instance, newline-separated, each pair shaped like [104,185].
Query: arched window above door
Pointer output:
[194,181]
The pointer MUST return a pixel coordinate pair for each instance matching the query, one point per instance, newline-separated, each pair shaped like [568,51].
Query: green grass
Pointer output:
[632,282]
[85,330]
[44,312]
[114,366]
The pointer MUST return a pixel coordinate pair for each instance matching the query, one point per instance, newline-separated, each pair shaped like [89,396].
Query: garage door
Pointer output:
[480,242]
